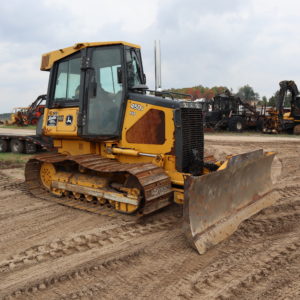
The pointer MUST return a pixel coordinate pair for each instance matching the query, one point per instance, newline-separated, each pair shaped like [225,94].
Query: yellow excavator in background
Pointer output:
[282,118]
[117,145]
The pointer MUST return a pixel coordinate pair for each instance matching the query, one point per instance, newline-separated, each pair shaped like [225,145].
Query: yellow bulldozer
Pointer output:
[118,146]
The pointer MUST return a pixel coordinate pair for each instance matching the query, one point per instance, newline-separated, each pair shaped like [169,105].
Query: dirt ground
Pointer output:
[48,251]
[16,131]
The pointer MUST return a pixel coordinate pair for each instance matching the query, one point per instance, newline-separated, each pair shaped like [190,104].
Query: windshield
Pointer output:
[105,97]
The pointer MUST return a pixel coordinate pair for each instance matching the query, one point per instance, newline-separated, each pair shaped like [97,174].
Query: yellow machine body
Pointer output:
[66,139]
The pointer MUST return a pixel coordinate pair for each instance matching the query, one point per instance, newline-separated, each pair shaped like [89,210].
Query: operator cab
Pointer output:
[96,79]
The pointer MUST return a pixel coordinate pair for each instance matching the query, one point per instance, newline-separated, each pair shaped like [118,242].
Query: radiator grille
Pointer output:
[189,140]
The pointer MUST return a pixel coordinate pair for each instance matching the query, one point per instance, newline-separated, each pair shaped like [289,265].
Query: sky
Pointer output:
[209,42]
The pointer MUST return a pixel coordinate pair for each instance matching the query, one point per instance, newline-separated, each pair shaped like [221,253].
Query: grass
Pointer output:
[14,158]
[32,127]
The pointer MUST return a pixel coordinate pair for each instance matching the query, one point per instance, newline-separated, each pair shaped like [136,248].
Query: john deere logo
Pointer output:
[69,120]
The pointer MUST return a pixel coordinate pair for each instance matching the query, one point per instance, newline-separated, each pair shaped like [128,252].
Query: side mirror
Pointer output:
[144,78]
[119,74]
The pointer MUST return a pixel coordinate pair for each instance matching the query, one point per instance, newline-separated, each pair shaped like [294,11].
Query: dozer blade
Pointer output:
[215,204]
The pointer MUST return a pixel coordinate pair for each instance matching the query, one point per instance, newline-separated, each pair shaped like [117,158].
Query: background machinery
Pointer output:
[282,118]
[229,112]
[24,116]
[35,110]
[117,146]
[17,116]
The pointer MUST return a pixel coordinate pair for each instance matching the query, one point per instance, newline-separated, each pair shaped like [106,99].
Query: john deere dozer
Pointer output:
[117,145]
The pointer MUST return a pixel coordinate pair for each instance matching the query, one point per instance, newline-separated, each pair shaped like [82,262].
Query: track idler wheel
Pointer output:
[47,173]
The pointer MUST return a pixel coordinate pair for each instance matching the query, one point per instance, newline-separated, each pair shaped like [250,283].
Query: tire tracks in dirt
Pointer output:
[82,244]
[230,280]
[246,261]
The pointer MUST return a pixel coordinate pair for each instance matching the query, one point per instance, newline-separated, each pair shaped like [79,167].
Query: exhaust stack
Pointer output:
[157,59]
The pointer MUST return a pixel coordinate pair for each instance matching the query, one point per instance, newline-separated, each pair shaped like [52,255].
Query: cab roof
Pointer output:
[48,59]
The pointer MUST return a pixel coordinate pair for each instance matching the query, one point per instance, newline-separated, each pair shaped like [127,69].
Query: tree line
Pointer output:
[246,93]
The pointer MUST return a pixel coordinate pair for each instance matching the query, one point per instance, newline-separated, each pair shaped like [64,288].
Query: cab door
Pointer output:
[103,96]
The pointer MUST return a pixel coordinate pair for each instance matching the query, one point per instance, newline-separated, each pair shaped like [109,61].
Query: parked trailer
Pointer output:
[28,144]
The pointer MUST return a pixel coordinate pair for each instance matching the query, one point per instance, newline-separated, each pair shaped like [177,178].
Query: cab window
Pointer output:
[67,80]
[133,68]
[109,79]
